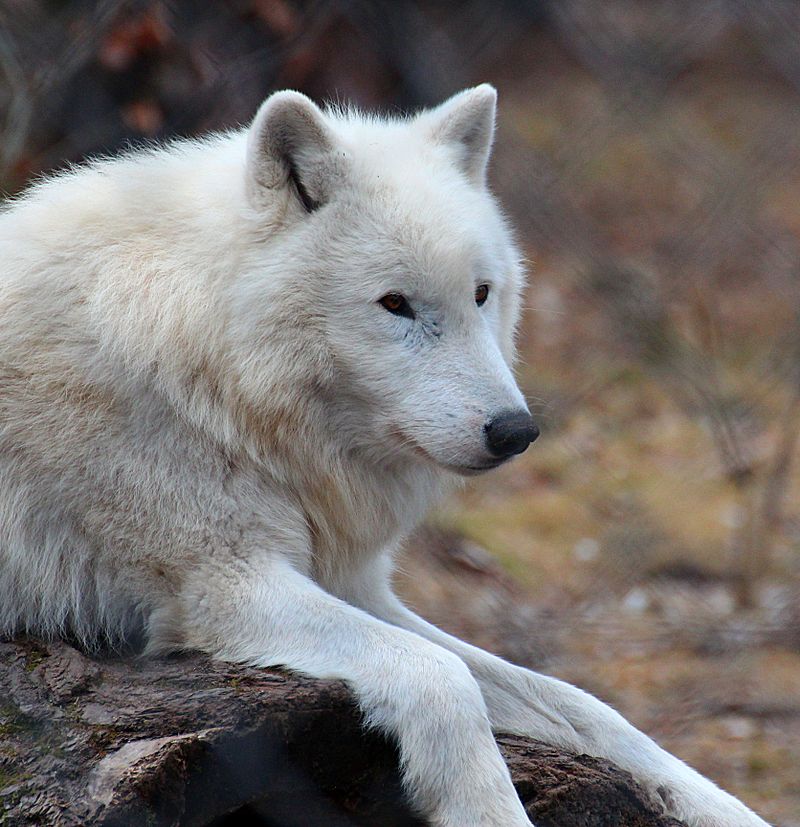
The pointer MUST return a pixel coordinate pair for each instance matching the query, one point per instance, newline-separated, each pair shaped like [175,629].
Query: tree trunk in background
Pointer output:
[186,741]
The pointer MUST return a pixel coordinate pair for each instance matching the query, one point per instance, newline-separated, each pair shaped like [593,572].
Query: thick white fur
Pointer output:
[212,432]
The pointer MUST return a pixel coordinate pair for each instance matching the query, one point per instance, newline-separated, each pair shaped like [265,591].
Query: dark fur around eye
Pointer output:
[397,305]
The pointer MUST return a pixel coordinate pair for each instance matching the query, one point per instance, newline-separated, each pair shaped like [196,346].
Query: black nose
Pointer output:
[509,433]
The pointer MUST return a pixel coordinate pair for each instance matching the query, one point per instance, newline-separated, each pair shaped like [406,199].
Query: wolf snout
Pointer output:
[509,433]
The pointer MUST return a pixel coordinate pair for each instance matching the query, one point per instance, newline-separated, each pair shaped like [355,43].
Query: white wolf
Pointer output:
[234,374]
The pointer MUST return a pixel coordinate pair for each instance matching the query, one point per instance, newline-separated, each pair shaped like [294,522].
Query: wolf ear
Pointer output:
[290,145]
[466,122]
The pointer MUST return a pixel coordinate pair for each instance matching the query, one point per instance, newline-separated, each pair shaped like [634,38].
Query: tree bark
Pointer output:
[187,741]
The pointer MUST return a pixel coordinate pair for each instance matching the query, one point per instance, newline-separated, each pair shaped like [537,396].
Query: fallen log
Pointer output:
[191,742]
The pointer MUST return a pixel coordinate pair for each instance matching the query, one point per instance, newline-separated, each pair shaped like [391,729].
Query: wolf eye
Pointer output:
[481,294]
[397,304]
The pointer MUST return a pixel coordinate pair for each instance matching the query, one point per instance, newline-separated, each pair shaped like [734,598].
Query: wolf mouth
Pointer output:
[468,470]
[478,469]
[488,467]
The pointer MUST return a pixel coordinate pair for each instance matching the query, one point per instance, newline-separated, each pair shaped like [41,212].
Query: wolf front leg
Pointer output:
[526,703]
[271,615]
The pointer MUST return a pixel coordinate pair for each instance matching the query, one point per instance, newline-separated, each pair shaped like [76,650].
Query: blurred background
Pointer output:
[647,547]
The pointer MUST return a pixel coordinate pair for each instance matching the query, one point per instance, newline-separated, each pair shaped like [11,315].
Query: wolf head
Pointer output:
[388,259]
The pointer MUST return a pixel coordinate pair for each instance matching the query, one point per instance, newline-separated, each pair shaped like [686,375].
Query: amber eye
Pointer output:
[397,304]
[481,294]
